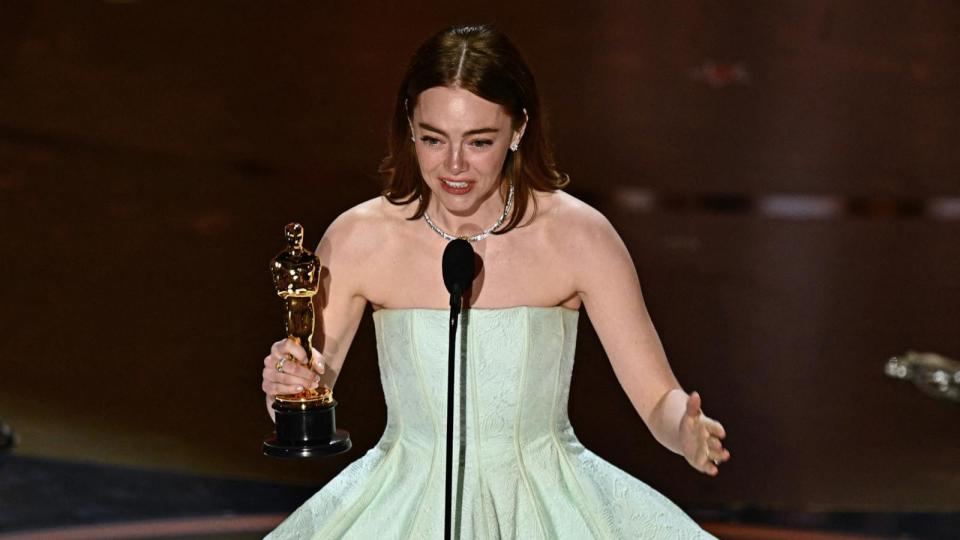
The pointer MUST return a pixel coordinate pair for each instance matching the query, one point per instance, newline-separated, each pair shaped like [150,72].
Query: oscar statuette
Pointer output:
[305,421]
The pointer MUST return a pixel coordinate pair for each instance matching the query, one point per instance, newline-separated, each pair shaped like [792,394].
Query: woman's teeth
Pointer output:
[453,184]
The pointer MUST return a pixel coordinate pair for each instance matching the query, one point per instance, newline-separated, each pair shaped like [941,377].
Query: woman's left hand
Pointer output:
[701,438]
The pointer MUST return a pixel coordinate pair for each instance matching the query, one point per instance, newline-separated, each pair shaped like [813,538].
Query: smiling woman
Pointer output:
[466,151]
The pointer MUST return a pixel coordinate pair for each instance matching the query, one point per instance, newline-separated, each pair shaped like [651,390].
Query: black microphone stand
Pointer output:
[458,273]
[456,299]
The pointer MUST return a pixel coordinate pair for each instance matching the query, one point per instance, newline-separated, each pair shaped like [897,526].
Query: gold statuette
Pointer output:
[305,421]
[296,278]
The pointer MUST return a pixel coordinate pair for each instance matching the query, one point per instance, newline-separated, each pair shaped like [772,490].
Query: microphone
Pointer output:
[458,269]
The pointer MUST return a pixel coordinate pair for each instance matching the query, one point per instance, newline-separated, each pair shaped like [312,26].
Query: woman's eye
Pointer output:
[482,143]
[430,141]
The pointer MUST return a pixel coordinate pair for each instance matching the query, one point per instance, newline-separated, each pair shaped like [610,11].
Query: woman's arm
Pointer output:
[344,250]
[607,282]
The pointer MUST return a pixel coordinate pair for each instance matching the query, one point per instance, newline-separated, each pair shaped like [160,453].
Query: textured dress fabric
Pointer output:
[519,471]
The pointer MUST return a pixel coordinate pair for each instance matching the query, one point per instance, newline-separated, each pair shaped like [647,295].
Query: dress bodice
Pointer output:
[512,378]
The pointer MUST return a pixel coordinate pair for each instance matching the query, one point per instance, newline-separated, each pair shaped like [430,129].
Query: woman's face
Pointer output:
[462,141]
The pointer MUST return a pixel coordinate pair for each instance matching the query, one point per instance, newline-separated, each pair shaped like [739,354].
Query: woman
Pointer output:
[468,158]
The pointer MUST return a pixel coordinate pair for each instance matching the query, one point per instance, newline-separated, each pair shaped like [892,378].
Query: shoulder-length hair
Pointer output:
[482,60]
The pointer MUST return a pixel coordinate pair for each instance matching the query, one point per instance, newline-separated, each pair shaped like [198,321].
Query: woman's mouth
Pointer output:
[456,187]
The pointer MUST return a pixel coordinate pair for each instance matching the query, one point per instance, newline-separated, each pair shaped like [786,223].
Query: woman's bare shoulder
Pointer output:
[363,228]
[371,217]
[571,217]
[586,240]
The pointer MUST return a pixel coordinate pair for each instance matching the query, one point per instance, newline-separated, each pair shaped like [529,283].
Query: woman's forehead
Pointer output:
[458,107]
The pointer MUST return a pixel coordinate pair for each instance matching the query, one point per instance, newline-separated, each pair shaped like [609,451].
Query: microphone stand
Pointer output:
[458,273]
[456,298]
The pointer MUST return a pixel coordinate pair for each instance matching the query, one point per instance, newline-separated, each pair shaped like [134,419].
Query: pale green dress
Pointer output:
[519,470]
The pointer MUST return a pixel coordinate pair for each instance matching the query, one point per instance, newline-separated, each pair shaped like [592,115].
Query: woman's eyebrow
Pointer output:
[477,131]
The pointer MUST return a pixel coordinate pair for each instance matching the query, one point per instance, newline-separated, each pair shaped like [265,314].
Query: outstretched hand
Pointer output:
[701,438]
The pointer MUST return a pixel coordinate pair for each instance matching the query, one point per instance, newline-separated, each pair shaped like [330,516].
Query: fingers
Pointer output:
[285,369]
[276,389]
[710,463]
[714,428]
[291,347]
[710,452]
[717,453]
[693,405]
[704,461]
[706,439]
[316,362]
[275,382]
[287,365]
[695,409]
[714,446]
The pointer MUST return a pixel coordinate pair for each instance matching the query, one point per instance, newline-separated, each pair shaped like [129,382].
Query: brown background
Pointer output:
[150,153]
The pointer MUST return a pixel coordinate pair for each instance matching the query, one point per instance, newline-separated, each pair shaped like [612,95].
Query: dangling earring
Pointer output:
[516,144]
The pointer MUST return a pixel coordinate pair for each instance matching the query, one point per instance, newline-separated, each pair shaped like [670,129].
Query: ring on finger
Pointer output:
[715,461]
[280,363]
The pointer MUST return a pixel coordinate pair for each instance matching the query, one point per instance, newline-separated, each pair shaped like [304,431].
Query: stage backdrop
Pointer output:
[785,176]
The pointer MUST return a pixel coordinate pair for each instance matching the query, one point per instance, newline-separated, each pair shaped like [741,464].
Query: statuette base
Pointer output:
[306,431]
[273,447]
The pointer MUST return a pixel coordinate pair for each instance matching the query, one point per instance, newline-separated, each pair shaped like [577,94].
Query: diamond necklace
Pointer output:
[477,237]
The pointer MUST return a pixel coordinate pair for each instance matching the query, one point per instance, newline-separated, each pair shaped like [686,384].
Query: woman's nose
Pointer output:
[455,160]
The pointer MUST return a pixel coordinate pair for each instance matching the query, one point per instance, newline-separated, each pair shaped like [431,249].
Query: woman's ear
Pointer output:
[406,107]
[515,143]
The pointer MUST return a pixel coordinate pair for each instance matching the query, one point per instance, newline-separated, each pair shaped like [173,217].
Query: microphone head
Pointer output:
[458,266]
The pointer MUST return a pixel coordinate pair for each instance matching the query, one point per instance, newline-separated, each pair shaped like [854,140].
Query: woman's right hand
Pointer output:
[285,369]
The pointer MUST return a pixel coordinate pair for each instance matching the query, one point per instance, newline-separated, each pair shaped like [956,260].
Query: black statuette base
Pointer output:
[306,432]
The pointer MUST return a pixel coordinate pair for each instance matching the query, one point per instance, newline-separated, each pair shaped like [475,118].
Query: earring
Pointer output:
[526,118]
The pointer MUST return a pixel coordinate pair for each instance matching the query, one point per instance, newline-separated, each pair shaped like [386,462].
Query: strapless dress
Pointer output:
[519,470]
